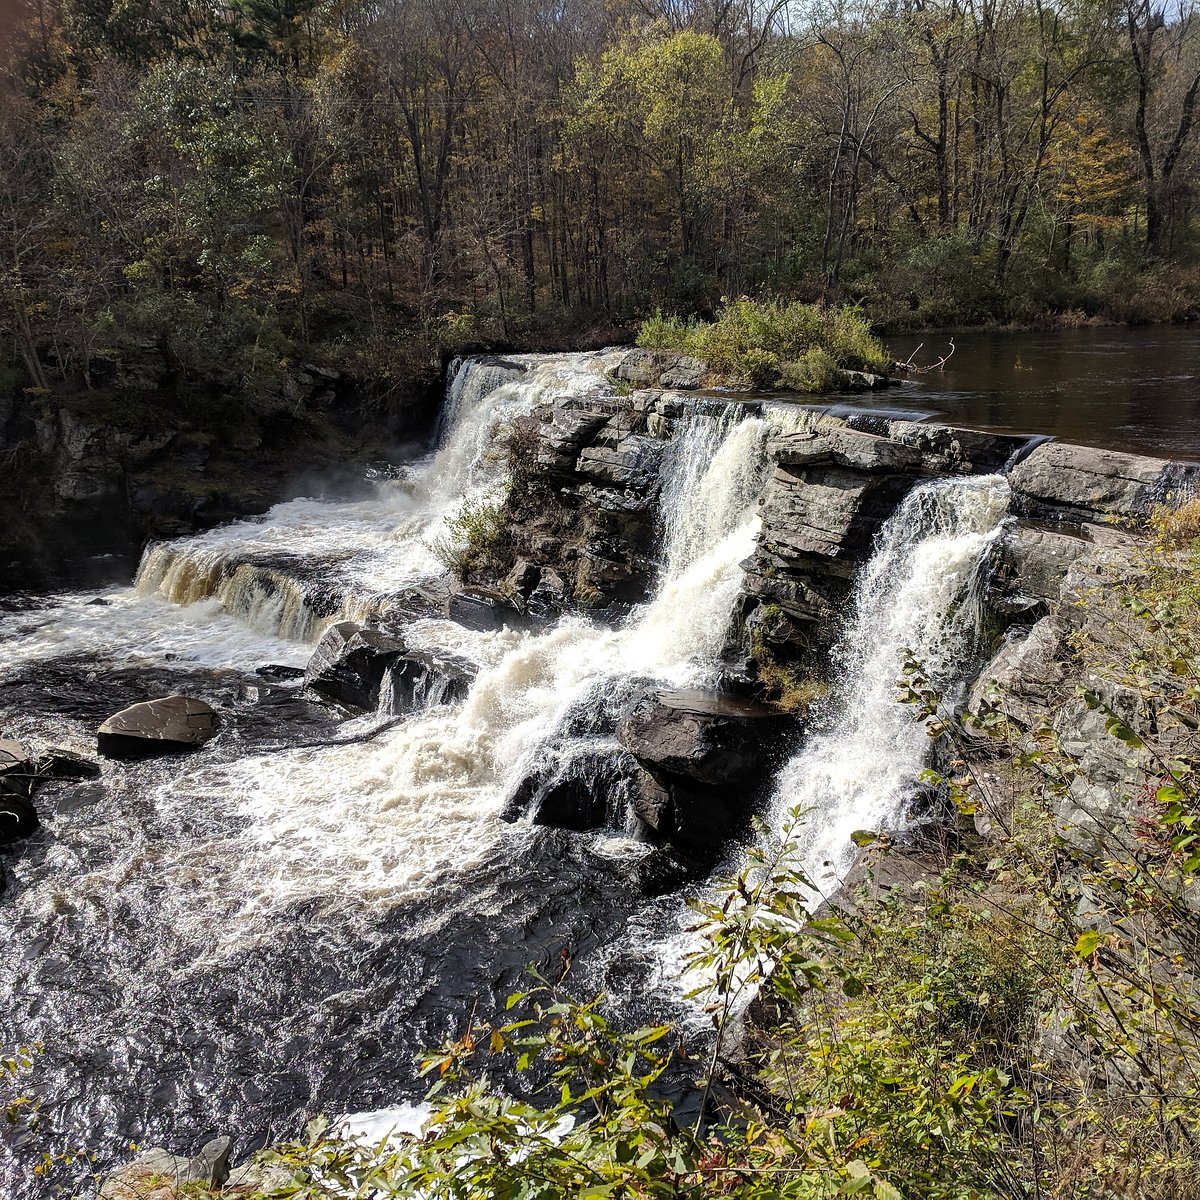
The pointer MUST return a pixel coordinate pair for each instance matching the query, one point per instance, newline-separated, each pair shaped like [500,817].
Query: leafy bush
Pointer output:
[767,343]
[471,538]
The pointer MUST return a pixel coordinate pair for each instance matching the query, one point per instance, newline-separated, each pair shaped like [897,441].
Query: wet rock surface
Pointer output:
[350,664]
[707,737]
[171,725]
[685,767]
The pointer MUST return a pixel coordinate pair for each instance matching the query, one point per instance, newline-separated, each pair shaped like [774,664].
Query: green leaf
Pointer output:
[1088,943]
[1118,729]
[864,837]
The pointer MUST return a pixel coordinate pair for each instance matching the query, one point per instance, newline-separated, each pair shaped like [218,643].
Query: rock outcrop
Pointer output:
[1059,481]
[366,669]
[350,663]
[580,518]
[171,725]
[833,486]
[685,767]
[157,1174]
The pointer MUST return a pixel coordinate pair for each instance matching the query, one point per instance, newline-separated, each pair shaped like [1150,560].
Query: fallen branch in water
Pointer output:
[937,366]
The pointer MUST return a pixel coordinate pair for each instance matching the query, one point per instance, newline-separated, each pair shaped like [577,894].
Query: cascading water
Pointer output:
[232,942]
[916,594]
[309,563]
[862,760]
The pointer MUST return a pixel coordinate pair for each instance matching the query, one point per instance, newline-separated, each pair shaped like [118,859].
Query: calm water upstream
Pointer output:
[1126,389]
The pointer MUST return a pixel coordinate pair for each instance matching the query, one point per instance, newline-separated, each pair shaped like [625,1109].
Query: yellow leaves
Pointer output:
[1091,171]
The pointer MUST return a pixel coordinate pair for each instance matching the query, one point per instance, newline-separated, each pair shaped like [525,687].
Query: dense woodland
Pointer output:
[224,188]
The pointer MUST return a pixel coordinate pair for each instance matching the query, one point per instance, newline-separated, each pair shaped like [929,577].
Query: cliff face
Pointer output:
[86,478]
[580,525]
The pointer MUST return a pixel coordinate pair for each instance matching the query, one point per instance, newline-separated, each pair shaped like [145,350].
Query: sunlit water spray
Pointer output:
[308,563]
[380,822]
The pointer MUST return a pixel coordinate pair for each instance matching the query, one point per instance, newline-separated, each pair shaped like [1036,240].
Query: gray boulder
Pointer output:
[170,725]
[706,737]
[418,680]
[1081,481]
[350,663]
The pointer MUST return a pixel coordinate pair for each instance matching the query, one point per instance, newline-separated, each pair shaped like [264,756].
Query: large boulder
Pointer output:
[171,725]
[709,755]
[419,680]
[595,788]
[350,664]
[1082,482]
[708,737]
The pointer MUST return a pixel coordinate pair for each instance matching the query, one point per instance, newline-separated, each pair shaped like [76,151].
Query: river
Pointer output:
[1124,389]
[234,942]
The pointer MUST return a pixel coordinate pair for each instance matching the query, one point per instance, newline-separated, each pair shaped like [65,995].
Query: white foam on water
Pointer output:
[123,628]
[367,826]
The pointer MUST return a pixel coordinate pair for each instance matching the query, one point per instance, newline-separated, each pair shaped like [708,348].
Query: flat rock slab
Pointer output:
[1096,482]
[708,737]
[168,726]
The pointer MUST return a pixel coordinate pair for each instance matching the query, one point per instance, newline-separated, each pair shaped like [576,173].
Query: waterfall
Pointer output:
[917,593]
[308,563]
[361,828]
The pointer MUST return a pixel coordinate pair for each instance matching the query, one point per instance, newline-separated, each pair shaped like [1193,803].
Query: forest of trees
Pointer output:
[227,185]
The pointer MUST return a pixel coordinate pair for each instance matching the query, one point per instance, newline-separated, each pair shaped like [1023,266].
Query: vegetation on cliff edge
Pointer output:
[770,344]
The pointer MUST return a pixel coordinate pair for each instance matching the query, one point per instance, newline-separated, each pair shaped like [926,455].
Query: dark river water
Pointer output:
[1124,389]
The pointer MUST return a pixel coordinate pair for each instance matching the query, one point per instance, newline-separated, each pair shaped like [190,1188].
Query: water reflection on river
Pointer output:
[1126,389]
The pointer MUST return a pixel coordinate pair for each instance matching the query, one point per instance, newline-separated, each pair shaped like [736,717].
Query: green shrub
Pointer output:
[472,538]
[767,343]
